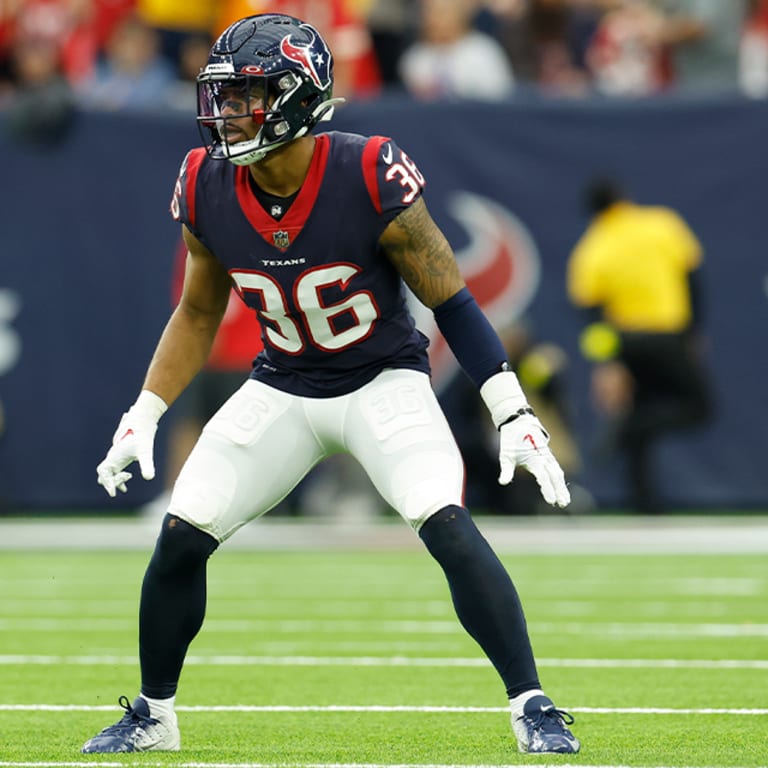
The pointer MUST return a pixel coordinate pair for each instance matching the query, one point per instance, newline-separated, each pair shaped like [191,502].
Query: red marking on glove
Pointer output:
[530,439]
[127,432]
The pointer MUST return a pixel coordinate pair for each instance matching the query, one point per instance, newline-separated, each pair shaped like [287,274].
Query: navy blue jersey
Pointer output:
[332,307]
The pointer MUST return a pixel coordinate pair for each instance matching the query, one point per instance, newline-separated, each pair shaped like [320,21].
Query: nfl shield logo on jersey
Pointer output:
[280,239]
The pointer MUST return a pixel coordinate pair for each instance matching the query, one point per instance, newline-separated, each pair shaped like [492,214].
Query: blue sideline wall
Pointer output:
[87,244]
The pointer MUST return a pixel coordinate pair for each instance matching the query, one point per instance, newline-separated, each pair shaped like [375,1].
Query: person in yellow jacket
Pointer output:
[634,272]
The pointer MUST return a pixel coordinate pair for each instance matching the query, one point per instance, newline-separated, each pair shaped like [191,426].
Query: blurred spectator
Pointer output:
[343,26]
[193,56]
[584,17]
[133,73]
[703,38]
[554,25]
[8,11]
[512,23]
[753,51]
[391,24]
[68,24]
[80,28]
[626,55]
[451,59]
[41,108]
[635,273]
[546,40]
[106,15]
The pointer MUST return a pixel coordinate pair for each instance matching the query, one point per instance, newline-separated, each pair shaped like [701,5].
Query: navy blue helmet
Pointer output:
[274,68]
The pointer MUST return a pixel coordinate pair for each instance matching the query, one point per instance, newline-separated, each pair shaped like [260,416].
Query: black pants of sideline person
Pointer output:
[672,394]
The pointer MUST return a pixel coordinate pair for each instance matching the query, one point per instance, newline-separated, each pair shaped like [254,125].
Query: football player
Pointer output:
[319,233]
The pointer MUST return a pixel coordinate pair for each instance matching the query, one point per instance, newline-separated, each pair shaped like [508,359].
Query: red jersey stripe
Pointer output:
[194,161]
[370,161]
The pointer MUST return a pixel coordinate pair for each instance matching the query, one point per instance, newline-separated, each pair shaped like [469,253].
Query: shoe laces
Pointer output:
[550,719]
[132,717]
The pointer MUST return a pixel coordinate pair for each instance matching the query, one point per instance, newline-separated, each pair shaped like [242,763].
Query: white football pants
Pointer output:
[262,442]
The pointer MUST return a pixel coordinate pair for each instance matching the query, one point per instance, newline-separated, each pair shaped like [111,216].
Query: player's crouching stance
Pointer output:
[318,233]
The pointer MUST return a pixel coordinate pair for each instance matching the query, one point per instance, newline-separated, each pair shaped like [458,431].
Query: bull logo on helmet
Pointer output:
[303,55]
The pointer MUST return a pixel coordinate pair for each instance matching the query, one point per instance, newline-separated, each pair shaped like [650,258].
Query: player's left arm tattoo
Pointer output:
[421,254]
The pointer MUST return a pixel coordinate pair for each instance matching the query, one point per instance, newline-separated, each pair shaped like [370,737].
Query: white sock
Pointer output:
[518,702]
[161,709]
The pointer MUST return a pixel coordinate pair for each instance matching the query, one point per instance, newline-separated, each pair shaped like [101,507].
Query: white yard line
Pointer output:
[380,708]
[384,661]
[115,764]
[413,628]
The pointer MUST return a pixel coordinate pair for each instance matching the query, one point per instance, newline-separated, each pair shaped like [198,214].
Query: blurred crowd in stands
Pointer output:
[145,54]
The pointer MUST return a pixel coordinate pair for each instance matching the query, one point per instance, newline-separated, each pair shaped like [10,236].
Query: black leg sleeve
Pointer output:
[484,596]
[172,607]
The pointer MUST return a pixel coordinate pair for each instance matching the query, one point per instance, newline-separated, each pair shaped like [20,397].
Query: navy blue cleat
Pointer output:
[136,731]
[542,728]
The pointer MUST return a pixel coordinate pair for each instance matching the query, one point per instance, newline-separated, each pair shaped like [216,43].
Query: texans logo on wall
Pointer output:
[500,265]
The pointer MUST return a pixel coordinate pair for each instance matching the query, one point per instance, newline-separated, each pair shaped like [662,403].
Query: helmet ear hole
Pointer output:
[285,82]
[280,129]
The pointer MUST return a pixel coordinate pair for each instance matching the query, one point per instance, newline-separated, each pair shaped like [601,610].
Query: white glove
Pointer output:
[523,440]
[133,441]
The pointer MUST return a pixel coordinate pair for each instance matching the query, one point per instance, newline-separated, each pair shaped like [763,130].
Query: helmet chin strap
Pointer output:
[254,156]
[258,153]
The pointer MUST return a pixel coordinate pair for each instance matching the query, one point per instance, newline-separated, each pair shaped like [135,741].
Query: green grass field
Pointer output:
[340,658]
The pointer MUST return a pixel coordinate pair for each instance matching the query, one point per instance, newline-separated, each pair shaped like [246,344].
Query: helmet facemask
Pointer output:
[284,104]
